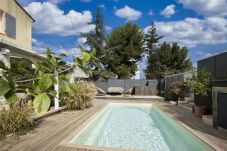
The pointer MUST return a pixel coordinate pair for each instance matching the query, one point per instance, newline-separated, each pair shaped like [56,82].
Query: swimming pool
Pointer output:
[137,126]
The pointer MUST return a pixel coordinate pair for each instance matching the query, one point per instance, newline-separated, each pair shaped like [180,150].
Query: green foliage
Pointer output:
[125,48]
[199,83]
[4,87]
[168,59]
[83,61]
[42,79]
[96,41]
[45,82]
[41,103]
[15,119]
[41,90]
[175,91]
[151,39]
[79,95]
[85,57]
[8,86]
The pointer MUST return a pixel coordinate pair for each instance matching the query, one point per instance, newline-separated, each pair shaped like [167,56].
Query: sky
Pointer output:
[200,25]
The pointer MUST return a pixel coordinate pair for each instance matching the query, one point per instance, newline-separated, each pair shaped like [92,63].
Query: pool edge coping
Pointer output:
[195,133]
[67,141]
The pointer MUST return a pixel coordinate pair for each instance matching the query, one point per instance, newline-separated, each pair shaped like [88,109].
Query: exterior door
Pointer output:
[222,110]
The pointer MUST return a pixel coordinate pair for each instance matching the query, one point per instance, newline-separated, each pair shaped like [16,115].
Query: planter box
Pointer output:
[200,110]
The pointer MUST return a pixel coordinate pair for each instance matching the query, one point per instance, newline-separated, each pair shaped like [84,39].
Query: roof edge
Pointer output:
[24,10]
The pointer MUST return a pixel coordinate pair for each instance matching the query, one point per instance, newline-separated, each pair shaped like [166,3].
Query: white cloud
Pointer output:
[52,20]
[81,41]
[128,13]
[193,31]
[40,47]
[206,7]
[57,1]
[34,40]
[70,52]
[168,11]
[26,2]
[108,28]
[150,13]
[205,54]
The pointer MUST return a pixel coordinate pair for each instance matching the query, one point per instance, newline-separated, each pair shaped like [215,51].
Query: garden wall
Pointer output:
[152,85]
[180,77]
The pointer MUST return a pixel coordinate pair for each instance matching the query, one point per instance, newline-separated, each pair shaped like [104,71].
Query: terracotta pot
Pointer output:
[200,110]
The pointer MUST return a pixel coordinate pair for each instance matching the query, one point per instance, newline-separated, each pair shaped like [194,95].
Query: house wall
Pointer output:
[216,66]
[23,24]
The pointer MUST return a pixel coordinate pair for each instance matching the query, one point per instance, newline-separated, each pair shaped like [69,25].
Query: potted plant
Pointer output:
[200,85]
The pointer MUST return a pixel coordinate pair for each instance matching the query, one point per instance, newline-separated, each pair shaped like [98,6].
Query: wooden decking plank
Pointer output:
[61,133]
[39,138]
[54,129]
[67,130]
[35,143]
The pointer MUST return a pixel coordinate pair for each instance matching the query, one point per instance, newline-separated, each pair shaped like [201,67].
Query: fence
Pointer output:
[180,77]
[154,85]
[127,84]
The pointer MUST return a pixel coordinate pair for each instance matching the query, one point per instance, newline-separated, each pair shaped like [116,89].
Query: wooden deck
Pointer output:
[52,130]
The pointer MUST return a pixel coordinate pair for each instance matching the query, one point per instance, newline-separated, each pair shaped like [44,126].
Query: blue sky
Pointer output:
[201,25]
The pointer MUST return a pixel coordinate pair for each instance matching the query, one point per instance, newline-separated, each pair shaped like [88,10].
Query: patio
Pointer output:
[52,130]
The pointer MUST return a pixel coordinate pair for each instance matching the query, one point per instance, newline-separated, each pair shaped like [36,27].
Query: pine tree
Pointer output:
[180,60]
[151,40]
[166,59]
[170,59]
[125,46]
[96,41]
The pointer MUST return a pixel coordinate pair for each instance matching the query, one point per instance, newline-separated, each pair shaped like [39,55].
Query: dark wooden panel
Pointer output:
[222,110]
[220,66]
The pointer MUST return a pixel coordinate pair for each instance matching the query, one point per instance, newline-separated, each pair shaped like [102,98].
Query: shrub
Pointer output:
[15,119]
[199,83]
[175,91]
[80,95]
[88,91]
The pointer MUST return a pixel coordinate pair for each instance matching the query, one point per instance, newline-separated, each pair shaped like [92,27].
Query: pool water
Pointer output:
[142,127]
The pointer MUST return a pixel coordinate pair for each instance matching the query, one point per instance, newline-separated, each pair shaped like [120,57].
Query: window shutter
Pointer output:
[10,25]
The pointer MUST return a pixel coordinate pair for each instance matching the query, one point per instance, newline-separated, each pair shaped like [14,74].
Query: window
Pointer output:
[1,22]
[10,25]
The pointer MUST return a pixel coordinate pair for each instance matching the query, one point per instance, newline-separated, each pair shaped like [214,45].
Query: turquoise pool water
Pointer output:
[138,127]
